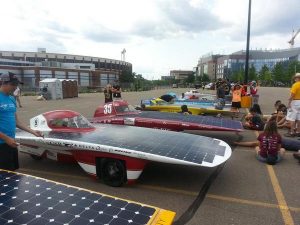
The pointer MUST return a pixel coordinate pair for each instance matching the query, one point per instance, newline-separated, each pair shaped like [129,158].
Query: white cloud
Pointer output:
[159,35]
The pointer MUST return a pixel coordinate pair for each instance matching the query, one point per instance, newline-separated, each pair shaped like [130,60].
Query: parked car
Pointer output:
[279,84]
[210,86]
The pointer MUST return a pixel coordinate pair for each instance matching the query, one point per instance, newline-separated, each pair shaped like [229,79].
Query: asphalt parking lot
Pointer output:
[243,191]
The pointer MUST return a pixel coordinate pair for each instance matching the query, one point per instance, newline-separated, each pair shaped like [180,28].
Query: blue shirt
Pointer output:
[7,115]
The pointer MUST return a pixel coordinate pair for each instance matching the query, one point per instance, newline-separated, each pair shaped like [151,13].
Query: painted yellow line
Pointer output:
[250,202]
[170,190]
[284,209]
[287,217]
[217,197]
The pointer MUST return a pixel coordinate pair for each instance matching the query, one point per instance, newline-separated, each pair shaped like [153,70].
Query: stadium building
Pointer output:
[224,66]
[31,67]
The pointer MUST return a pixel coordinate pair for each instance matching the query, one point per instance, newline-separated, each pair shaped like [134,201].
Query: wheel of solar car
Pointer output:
[36,157]
[113,172]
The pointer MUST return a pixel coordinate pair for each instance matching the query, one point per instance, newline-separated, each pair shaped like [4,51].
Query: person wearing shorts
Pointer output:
[293,113]
[236,100]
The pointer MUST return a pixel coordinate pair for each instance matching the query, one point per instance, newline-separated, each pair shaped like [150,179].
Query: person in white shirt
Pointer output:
[17,94]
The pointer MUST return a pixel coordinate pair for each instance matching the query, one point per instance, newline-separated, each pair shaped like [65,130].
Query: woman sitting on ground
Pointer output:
[254,120]
[276,105]
[281,120]
[268,145]
[274,114]
[257,110]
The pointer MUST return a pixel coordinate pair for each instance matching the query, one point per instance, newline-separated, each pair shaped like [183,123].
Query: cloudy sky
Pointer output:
[158,35]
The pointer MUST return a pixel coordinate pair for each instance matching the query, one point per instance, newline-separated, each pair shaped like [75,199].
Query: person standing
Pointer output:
[17,94]
[117,90]
[236,100]
[227,87]
[221,91]
[8,123]
[220,96]
[253,92]
[293,113]
[253,88]
[108,93]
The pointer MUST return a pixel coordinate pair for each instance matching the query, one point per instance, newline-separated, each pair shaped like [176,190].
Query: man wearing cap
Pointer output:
[8,123]
[116,89]
[293,114]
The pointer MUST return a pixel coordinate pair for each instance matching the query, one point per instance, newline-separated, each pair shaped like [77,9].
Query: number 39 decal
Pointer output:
[108,109]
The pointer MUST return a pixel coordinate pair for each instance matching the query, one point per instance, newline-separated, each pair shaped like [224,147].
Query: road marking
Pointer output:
[250,202]
[284,209]
[179,191]
[218,197]
[287,217]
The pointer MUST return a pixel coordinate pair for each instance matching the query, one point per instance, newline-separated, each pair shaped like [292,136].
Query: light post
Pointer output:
[247,47]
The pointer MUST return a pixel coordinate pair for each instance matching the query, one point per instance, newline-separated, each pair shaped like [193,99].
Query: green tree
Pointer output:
[263,73]
[252,73]
[205,78]
[238,76]
[278,72]
[190,79]
[163,82]
[138,82]
[198,79]
[293,68]
[268,78]
[297,69]
[127,76]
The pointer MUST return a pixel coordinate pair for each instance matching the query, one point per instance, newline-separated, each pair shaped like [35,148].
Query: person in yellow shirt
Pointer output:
[293,113]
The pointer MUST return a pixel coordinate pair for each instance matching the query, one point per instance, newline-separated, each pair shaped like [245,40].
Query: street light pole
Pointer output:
[247,48]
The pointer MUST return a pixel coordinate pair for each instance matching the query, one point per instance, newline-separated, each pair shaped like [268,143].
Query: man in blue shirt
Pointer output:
[8,123]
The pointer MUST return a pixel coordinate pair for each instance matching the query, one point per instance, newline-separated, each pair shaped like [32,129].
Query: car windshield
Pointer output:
[125,108]
[73,122]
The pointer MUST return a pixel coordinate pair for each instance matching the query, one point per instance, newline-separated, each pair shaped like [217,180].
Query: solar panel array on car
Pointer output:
[205,120]
[33,201]
[181,146]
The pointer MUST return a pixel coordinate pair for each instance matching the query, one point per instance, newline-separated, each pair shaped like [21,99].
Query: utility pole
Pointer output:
[247,48]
